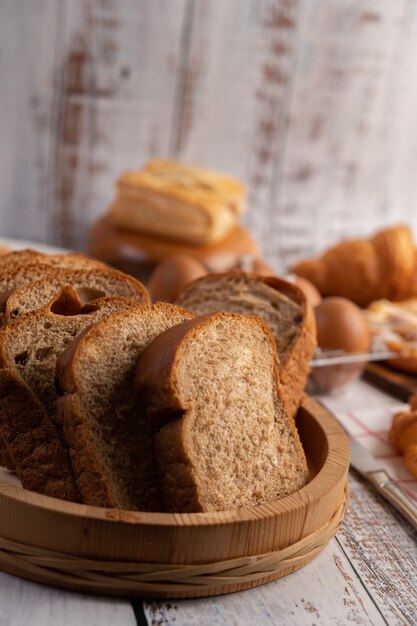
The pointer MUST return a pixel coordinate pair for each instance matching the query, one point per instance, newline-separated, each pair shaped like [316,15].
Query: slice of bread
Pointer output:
[68,260]
[104,422]
[29,429]
[89,285]
[282,305]
[18,257]
[225,441]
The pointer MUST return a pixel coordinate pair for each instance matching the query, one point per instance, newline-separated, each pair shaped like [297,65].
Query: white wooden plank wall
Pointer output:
[312,102]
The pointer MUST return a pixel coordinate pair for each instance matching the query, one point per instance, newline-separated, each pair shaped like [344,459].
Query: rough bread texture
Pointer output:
[89,285]
[18,257]
[70,260]
[225,440]
[28,420]
[103,418]
[277,302]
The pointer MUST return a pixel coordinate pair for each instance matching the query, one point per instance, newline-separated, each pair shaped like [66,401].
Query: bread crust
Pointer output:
[171,414]
[140,253]
[93,457]
[364,270]
[32,441]
[31,436]
[111,280]
[294,371]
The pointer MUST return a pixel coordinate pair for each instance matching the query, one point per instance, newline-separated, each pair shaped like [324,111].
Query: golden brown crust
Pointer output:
[403,430]
[364,270]
[202,187]
[31,440]
[394,325]
[295,369]
[403,437]
[178,202]
[156,364]
[90,284]
[156,379]
[31,435]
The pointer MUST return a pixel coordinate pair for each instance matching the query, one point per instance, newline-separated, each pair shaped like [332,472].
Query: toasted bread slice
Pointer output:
[89,285]
[225,441]
[277,302]
[103,419]
[28,421]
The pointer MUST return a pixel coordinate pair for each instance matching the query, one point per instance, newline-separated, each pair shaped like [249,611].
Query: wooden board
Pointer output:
[161,555]
[399,384]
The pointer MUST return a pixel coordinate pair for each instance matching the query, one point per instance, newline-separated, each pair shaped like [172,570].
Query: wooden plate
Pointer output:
[161,555]
[399,384]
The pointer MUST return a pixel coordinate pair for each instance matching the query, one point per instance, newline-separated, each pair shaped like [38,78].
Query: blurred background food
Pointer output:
[310,104]
[341,327]
[403,435]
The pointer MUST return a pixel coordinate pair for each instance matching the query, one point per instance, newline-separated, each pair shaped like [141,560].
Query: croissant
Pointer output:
[403,436]
[364,270]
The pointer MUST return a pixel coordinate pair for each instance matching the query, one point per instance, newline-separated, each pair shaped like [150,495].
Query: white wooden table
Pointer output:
[367,575]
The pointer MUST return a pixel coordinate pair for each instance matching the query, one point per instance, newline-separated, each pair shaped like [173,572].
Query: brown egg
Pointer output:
[310,291]
[341,325]
[171,275]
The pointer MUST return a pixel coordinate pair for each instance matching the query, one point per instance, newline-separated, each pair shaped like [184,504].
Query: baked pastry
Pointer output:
[101,407]
[29,429]
[89,285]
[403,436]
[394,327]
[138,254]
[282,305]
[180,202]
[364,270]
[211,386]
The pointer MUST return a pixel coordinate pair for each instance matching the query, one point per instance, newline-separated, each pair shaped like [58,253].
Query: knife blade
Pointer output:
[372,469]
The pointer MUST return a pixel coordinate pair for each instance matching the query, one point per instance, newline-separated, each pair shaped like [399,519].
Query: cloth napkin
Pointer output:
[370,427]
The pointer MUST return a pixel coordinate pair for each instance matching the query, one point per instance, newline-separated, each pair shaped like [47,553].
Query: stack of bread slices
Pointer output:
[109,400]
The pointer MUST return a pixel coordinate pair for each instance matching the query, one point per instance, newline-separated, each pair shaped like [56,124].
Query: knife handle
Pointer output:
[395,495]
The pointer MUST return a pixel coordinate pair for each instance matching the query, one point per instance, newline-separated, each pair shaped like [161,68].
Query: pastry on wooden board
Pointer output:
[178,202]
[364,270]
[281,304]
[138,254]
[394,327]
[89,285]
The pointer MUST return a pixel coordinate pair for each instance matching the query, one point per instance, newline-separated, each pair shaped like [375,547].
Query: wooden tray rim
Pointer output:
[335,467]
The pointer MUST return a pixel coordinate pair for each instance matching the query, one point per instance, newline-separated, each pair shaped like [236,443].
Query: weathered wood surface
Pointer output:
[366,576]
[311,103]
